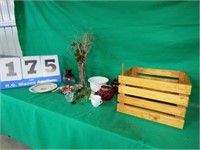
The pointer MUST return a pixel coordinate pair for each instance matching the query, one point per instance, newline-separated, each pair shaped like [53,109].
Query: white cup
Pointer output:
[96,100]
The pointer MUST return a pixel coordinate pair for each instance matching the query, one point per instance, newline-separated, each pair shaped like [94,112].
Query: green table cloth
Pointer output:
[48,121]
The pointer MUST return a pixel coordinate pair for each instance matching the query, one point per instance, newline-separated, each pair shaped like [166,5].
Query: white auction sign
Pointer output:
[28,70]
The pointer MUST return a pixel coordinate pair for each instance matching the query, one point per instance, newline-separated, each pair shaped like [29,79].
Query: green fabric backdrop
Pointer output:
[154,34]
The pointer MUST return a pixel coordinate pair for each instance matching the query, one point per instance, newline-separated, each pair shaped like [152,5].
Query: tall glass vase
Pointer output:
[81,69]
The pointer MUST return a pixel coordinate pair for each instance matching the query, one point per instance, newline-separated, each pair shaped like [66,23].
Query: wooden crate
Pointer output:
[154,94]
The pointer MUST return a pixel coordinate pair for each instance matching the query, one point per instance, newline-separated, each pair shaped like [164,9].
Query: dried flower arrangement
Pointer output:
[81,49]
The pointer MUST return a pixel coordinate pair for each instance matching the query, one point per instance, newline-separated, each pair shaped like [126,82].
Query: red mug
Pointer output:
[106,92]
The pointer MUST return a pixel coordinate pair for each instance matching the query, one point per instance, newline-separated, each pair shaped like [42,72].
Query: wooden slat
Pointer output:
[151,115]
[157,85]
[159,79]
[155,95]
[122,69]
[165,108]
[159,72]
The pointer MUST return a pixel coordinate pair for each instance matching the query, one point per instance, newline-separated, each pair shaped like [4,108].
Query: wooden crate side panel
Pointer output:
[134,72]
[159,79]
[157,85]
[128,72]
[187,80]
[165,108]
[151,115]
[184,79]
[159,72]
[155,95]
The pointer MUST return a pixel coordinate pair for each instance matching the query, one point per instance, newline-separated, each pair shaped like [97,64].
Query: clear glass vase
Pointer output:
[81,69]
[68,77]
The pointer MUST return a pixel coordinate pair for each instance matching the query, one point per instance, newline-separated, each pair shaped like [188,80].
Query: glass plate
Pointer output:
[42,88]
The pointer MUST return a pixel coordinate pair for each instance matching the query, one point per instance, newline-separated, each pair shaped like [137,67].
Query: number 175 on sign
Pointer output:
[28,67]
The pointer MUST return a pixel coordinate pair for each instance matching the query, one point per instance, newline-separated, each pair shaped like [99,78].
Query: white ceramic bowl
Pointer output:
[96,82]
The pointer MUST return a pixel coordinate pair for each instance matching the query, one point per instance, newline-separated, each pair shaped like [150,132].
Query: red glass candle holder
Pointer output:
[106,92]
